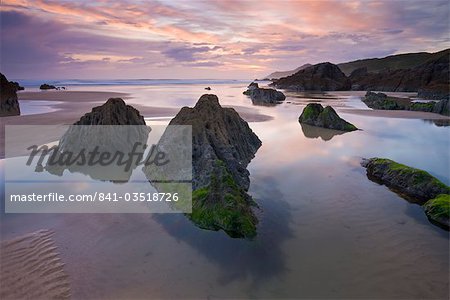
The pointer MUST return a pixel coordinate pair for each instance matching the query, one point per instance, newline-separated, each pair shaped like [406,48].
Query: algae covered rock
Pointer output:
[438,210]
[381,101]
[411,183]
[314,114]
[222,146]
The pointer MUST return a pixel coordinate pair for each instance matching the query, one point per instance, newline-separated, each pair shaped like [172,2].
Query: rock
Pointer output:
[263,95]
[222,146]
[321,77]
[17,85]
[208,88]
[314,114]
[413,184]
[381,101]
[442,107]
[102,139]
[113,112]
[430,79]
[438,210]
[9,104]
[46,86]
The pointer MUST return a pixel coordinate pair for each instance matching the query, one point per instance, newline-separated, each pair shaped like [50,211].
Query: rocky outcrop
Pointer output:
[383,102]
[321,77]
[438,210]
[314,114]
[430,79]
[17,85]
[416,185]
[46,86]
[102,139]
[113,112]
[9,104]
[263,95]
[222,146]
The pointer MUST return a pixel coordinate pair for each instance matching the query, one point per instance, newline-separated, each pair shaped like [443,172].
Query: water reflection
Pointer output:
[261,259]
[314,132]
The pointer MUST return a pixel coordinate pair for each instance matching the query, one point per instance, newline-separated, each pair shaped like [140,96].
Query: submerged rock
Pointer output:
[9,104]
[416,185]
[222,146]
[314,114]
[438,210]
[263,95]
[46,86]
[320,77]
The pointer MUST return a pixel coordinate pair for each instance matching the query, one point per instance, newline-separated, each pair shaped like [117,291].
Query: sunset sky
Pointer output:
[208,39]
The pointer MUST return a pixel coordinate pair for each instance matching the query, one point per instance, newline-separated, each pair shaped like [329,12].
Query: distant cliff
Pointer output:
[280,74]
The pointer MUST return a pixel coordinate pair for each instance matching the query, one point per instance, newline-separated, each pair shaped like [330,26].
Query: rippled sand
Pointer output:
[32,269]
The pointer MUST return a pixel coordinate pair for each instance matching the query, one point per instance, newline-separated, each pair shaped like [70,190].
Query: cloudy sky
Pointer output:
[49,39]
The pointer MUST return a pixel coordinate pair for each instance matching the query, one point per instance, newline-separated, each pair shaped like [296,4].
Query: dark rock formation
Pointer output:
[113,112]
[262,95]
[17,85]
[415,185]
[320,77]
[102,139]
[356,76]
[438,210]
[9,105]
[46,86]
[223,144]
[430,79]
[383,102]
[442,107]
[208,88]
[314,114]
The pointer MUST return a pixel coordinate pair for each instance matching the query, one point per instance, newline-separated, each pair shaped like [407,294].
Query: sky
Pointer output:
[233,39]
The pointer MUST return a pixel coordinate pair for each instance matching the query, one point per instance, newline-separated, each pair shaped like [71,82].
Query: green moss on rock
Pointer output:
[438,210]
[223,205]
[411,183]
[314,114]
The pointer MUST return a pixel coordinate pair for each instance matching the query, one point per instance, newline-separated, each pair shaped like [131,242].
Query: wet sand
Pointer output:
[32,269]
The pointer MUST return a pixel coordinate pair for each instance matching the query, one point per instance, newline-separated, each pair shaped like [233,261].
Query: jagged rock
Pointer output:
[222,146]
[263,95]
[413,184]
[46,86]
[438,210]
[113,112]
[314,114]
[321,77]
[102,139]
[17,85]
[9,104]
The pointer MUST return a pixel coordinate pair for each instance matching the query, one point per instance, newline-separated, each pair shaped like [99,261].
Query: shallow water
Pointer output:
[325,230]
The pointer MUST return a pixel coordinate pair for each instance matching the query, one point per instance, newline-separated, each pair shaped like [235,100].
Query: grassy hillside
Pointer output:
[393,62]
